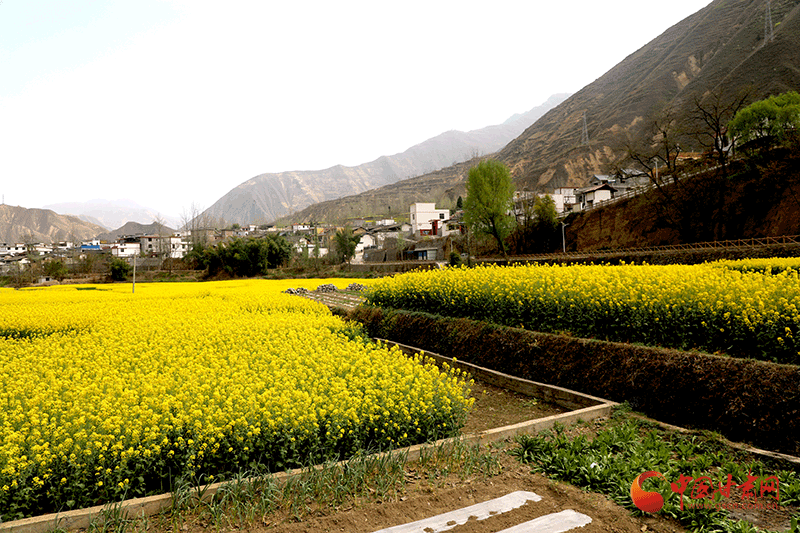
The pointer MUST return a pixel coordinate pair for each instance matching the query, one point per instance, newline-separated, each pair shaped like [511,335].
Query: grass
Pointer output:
[606,461]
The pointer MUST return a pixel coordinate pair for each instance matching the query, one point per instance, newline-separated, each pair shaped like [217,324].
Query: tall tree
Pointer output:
[768,122]
[345,243]
[489,193]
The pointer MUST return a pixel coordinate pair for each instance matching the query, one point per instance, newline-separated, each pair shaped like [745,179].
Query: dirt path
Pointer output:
[344,300]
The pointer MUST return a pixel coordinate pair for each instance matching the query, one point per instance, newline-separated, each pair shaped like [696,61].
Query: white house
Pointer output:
[10,264]
[390,232]
[17,248]
[426,219]
[367,240]
[178,246]
[564,198]
[42,248]
[126,248]
[588,197]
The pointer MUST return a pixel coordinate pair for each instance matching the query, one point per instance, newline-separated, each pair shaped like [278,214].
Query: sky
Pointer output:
[173,103]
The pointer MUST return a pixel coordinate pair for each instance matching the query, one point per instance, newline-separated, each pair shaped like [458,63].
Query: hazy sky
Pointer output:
[170,103]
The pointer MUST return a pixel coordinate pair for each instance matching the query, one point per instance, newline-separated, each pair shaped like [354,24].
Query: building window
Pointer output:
[441,216]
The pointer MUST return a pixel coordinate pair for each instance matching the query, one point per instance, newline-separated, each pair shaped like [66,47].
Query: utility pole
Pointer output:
[563,238]
[133,291]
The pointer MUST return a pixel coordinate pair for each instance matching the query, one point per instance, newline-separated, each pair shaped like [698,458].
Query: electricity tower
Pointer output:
[769,35]
[585,133]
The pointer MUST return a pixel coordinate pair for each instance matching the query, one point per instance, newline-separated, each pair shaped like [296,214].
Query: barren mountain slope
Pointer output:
[720,48]
[19,224]
[267,197]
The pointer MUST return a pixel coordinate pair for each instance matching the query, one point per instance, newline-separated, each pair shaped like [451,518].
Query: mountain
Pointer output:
[718,50]
[442,187]
[110,213]
[135,228]
[267,197]
[19,224]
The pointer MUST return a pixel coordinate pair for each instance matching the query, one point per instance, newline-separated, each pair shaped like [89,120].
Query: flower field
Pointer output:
[108,394]
[737,308]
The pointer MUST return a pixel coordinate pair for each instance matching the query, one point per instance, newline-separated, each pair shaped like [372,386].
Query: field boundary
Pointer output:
[583,407]
[746,400]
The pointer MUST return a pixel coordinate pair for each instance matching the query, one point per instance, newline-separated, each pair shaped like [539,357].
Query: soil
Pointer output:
[343,300]
[422,500]
[495,407]
[423,497]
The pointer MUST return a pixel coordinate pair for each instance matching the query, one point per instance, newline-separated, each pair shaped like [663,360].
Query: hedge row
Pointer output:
[745,400]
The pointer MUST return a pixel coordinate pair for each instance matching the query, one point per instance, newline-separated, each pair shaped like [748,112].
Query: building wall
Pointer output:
[421,214]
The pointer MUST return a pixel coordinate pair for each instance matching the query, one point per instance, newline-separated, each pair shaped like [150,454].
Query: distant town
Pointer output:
[423,236]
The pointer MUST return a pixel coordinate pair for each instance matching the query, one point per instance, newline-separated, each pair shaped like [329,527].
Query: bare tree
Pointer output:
[710,118]
[659,152]
[197,223]
[163,242]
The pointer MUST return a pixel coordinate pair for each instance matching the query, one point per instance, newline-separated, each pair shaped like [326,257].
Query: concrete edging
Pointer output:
[583,407]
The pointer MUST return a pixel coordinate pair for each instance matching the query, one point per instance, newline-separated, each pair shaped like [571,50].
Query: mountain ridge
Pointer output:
[31,225]
[720,48]
[267,197]
[110,213]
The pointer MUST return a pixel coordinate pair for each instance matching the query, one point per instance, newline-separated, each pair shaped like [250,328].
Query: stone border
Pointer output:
[583,407]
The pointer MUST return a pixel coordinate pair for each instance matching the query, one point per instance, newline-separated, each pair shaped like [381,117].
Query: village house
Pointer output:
[426,219]
[126,246]
[588,197]
[564,199]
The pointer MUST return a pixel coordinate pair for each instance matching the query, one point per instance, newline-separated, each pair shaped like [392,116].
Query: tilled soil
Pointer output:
[423,499]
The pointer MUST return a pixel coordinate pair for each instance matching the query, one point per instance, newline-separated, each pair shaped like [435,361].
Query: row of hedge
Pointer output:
[743,399]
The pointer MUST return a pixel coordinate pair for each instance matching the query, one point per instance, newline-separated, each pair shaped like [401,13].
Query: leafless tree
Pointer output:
[197,223]
[710,118]
[163,247]
[658,152]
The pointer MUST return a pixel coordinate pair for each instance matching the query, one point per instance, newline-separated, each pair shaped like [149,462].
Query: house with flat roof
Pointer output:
[426,219]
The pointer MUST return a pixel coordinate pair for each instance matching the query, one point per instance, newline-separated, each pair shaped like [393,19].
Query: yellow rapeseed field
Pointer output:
[735,307]
[109,394]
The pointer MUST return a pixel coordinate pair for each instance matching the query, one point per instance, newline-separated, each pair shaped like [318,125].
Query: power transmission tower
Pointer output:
[585,134]
[769,35]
